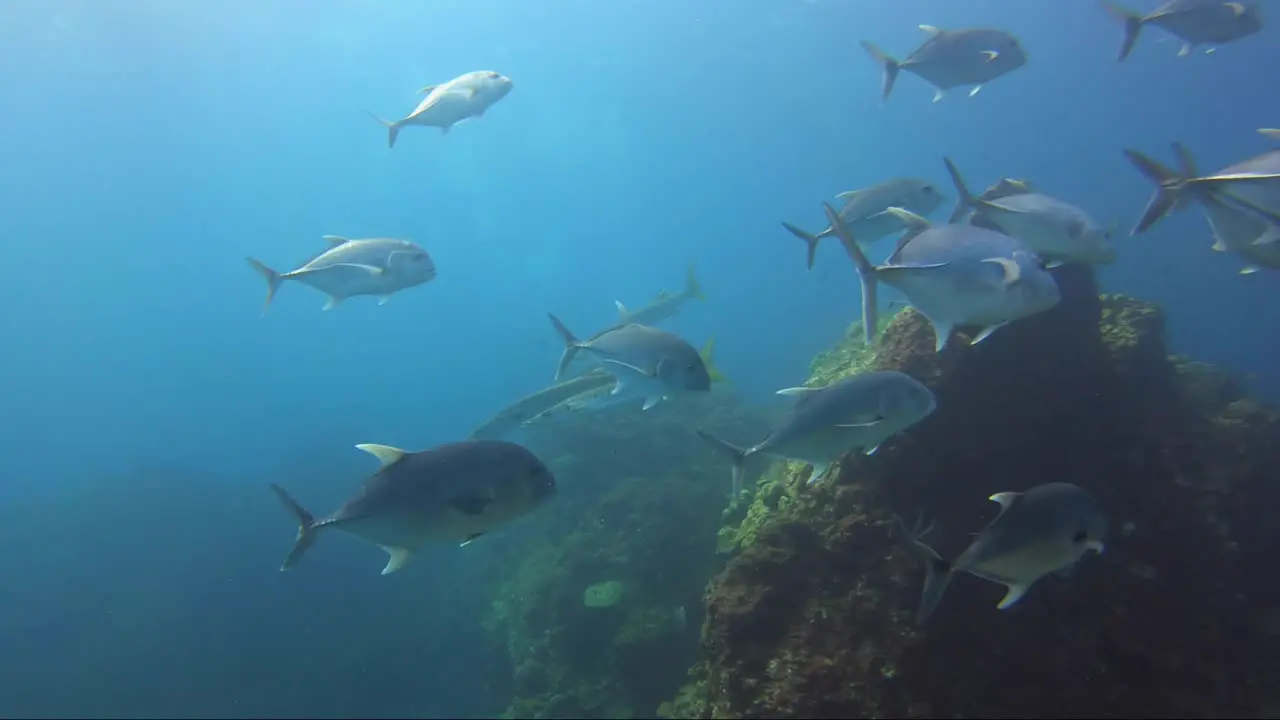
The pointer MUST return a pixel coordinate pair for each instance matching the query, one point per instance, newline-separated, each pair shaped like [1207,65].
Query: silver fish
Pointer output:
[1055,230]
[954,275]
[863,211]
[951,58]
[375,266]
[462,98]
[451,493]
[665,306]
[535,404]
[1243,232]
[1046,529]
[647,362]
[1195,22]
[857,412]
[1253,184]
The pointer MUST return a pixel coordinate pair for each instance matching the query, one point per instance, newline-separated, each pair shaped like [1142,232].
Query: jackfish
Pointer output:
[1195,22]
[375,266]
[952,58]
[863,211]
[530,406]
[462,98]
[666,305]
[451,493]
[857,412]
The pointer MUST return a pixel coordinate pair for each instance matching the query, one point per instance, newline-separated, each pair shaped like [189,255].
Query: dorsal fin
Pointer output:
[335,240]
[1005,498]
[931,30]
[385,453]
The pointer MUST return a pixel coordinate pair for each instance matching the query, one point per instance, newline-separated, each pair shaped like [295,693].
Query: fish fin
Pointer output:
[1170,188]
[708,355]
[975,90]
[964,199]
[1183,51]
[991,56]
[306,528]
[1217,246]
[470,504]
[848,195]
[738,455]
[796,391]
[1051,264]
[868,424]
[393,129]
[1133,23]
[386,454]
[1016,591]
[1272,133]
[939,94]
[691,287]
[382,299]
[938,573]
[397,557]
[1236,7]
[1248,270]
[915,223]
[866,273]
[334,240]
[651,401]
[817,471]
[629,366]
[1005,498]
[622,310]
[942,333]
[889,68]
[930,29]
[571,346]
[871,450]
[1270,236]
[471,538]
[428,88]
[1012,271]
[986,333]
[810,241]
[334,301]
[273,281]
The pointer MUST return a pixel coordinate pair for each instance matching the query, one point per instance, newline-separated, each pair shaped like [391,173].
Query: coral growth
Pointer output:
[813,615]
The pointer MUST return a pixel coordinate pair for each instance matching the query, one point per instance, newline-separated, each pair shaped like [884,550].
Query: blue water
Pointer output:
[150,145]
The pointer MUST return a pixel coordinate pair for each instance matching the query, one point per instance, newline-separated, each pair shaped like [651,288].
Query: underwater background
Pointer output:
[149,146]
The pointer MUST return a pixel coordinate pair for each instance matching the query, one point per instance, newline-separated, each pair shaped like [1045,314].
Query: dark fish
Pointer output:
[952,58]
[451,493]
[666,305]
[1195,22]
[535,404]
[1043,530]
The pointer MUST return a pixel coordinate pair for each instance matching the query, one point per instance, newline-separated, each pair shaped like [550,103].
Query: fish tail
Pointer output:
[691,287]
[889,66]
[738,455]
[708,353]
[866,274]
[964,199]
[306,528]
[810,240]
[393,129]
[571,345]
[937,578]
[1170,188]
[1133,23]
[273,281]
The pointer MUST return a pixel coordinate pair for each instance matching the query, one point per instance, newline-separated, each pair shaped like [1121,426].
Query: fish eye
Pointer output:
[1079,537]
[929,189]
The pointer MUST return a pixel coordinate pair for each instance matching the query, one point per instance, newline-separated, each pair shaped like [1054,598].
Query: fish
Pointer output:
[1238,230]
[665,306]
[1057,231]
[467,96]
[647,362]
[1253,184]
[862,210]
[535,404]
[1195,22]
[373,266]
[954,275]
[952,58]
[1044,530]
[455,492]
[857,412]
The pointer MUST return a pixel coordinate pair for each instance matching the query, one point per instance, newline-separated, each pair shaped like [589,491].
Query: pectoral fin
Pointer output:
[1015,594]
[386,454]
[398,557]
[1012,272]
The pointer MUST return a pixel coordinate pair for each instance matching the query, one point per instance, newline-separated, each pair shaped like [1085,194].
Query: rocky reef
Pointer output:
[813,614]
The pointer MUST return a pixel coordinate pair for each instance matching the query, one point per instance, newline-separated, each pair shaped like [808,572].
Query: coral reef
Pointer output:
[813,614]
[599,614]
